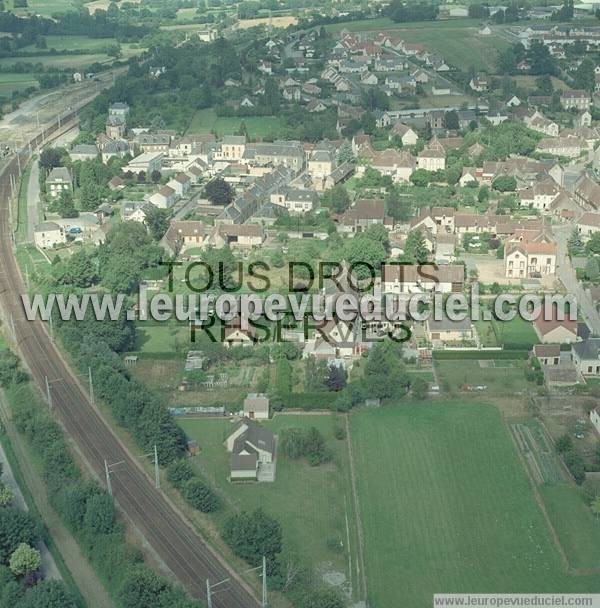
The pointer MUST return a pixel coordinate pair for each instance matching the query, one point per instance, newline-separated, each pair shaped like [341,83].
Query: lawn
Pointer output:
[162,337]
[500,377]
[312,503]
[259,127]
[10,82]
[577,528]
[446,507]
[72,43]
[456,40]
[46,8]
[516,334]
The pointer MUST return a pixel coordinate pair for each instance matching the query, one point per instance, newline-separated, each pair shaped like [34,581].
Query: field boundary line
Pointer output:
[359,531]
[540,502]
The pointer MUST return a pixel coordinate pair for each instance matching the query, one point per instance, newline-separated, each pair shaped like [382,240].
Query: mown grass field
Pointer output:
[311,502]
[499,376]
[577,528]
[515,334]
[10,82]
[446,507]
[46,8]
[259,127]
[457,40]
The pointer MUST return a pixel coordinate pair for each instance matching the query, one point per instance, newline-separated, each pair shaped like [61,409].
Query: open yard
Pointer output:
[516,334]
[312,503]
[446,507]
[456,40]
[259,127]
[499,376]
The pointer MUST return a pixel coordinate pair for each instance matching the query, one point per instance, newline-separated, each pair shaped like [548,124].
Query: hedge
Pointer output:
[310,401]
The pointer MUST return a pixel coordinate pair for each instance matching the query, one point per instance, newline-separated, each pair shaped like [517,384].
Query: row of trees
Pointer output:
[86,510]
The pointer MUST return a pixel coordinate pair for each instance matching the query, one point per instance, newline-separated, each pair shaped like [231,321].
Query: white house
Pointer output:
[48,235]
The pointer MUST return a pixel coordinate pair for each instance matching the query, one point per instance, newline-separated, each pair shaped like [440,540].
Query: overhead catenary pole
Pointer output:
[51,328]
[208,595]
[108,484]
[48,393]
[91,385]
[264,582]
[156,469]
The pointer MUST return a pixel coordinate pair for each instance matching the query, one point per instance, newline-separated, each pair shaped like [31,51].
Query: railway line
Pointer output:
[189,557]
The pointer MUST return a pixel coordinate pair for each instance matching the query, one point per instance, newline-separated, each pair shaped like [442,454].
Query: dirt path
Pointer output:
[359,531]
[85,578]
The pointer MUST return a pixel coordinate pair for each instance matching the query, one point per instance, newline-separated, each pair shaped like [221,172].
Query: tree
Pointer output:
[218,191]
[16,527]
[540,59]
[564,443]
[592,269]
[593,244]
[6,495]
[419,388]
[254,535]
[415,250]
[99,515]
[80,270]
[338,198]
[47,594]
[505,183]
[575,244]
[451,120]
[336,377]
[364,251]
[200,495]
[420,177]
[155,176]
[585,76]
[324,598]
[50,158]
[64,205]
[345,153]
[157,221]
[397,207]
[24,560]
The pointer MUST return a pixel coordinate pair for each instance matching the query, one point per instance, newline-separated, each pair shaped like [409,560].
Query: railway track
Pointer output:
[190,558]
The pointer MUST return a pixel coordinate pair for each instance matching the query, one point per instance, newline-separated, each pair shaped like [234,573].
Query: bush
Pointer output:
[339,432]
[200,495]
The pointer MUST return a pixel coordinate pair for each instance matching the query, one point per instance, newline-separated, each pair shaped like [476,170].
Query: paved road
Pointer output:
[181,549]
[567,275]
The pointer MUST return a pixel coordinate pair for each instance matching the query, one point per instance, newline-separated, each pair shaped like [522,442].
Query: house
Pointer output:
[586,356]
[369,78]
[232,148]
[445,247]
[235,335]
[577,99]
[48,235]
[529,259]
[398,164]
[115,127]
[316,105]
[469,174]
[554,331]
[252,449]
[583,119]
[587,193]
[145,163]
[114,147]
[181,184]
[83,152]
[479,83]
[364,213]
[165,198]
[116,183]
[539,196]
[321,163]
[570,147]
[59,180]
[295,200]
[547,354]
[538,122]
[153,142]
[182,234]
[446,330]
[407,136]
[256,406]
[588,223]
[432,158]
[119,109]
[411,279]
[244,236]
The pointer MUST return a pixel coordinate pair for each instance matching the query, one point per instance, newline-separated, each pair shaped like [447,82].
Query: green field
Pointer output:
[446,507]
[259,127]
[10,82]
[311,502]
[46,7]
[58,61]
[499,376]
[457,40]
[162,337]
[577,528]
[516,334]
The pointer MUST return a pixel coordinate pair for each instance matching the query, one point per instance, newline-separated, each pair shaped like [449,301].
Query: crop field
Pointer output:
[456,40]
[499,376]
[259,127]
[70,43]
[312,503]
[446,507]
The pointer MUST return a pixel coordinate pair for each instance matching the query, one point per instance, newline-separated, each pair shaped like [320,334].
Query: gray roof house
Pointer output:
[252,449]
[586,356]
